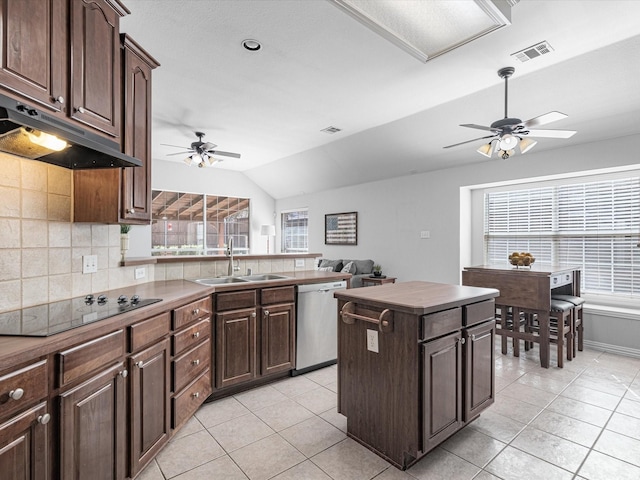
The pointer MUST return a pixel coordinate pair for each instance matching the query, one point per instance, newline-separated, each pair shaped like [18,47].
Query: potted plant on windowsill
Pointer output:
[124,239]
[377,270]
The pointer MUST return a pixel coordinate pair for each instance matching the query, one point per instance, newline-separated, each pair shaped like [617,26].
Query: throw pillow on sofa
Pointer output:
[349,268]
[363,266]
[336,264]
[325,269]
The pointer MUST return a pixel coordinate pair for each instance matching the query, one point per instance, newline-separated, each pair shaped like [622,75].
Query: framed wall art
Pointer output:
[341,228]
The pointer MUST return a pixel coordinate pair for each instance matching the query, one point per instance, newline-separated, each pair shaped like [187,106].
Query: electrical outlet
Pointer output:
[139,273]
[372,340]
[425,234]
[89,263]
[299,262]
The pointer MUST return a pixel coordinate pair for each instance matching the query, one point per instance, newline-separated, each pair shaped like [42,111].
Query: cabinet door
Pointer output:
[23,448]
[95,65]
[149,403]
[278,338]
[93,428]
[33,64]
[235,347]
[442,389]
[136,181]
[479,369]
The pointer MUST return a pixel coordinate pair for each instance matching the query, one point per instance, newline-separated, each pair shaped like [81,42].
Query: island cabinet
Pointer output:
[415,364]
[24,419]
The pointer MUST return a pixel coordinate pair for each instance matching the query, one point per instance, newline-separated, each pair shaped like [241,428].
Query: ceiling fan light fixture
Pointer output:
[508,142]
[526,144]
[505,154]
[486,149]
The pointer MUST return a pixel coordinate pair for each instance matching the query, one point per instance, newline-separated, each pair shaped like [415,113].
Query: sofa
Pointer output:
[357,268]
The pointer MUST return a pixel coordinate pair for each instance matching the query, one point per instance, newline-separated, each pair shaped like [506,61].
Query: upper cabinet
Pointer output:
[33,65]
[65,55]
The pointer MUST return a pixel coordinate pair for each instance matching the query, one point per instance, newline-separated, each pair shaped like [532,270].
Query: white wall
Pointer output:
[177,176]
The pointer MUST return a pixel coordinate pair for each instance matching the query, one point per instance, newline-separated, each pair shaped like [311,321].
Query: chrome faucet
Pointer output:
[230,255]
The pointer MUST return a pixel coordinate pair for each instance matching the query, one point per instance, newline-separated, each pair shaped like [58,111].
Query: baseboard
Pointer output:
[605,347]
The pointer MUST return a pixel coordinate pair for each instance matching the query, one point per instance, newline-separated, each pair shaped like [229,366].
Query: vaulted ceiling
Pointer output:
[318,67]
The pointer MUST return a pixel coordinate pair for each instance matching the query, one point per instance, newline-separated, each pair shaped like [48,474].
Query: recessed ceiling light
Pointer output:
[331,130]
[251,45]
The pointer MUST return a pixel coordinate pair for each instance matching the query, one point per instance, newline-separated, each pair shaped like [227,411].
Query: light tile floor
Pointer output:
[579,422]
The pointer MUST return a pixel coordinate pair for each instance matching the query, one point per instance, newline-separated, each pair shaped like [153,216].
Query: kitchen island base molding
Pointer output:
[432,373]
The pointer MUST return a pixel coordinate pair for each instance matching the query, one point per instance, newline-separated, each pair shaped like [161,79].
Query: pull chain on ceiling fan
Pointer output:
[200,153]
[509,133]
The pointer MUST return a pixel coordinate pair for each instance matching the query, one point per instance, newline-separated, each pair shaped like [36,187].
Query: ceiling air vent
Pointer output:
[533,51]
[331,130]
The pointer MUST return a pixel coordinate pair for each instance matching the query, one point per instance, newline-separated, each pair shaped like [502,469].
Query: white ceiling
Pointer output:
[319,67]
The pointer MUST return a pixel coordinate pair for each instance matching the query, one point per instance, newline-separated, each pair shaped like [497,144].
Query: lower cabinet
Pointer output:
[93,427]
[149,408]
[442,389]
[479,361]
[24,445]
[235,347]
[277,335]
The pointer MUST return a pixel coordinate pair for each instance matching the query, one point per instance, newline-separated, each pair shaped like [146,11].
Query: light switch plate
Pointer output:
[139,273]
[425,234]
[372,340]
[89,263]
[299,262]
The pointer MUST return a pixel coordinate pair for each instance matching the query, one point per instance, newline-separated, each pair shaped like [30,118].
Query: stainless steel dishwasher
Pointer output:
[317,326]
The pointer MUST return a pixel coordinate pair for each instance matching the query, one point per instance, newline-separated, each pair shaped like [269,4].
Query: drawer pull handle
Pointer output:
[384,320]
[123,374]
[139,364]
[44,419]
[195,394]
[195,362]
[16,394]
[196,311]
[196,334]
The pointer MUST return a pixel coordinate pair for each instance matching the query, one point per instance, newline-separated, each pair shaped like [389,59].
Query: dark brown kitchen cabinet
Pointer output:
[442,389]
[277,334]
[123,195]
[235,346]
[34,65]
[149,408]
[95,77]
[479,360]
[24,445]
[93,427]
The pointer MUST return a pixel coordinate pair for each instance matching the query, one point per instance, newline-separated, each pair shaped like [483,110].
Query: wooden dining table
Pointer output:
[525,290]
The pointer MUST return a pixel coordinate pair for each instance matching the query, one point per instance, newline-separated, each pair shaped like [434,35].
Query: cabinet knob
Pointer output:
[253,315]
[124,374]
[266,313]
[195,394]
[195,362]
[44,419]
[196,334]
[473,338]
[16,394]
[139,364]
[131,210]
[196,311]
[463,341]
[81,110]
[60,100]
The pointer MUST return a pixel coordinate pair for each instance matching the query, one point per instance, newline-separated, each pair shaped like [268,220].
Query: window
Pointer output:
[595,225]
[198,224]
[295,231]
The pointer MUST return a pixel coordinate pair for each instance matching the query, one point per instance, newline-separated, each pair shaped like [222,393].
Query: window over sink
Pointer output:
[198,224]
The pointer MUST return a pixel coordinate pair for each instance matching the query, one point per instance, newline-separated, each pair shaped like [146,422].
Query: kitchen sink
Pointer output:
[220,280]
[263,277]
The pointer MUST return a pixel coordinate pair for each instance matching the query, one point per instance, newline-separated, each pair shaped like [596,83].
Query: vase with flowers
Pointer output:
[124,240]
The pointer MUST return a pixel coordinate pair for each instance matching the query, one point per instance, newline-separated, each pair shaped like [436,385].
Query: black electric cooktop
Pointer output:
[50,318]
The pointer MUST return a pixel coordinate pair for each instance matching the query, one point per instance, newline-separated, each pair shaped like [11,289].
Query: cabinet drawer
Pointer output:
[190,364]
[190,312]
[90,356]
[235,300]
[190,336]
[23,388]
[278,295]
[145,332]
[185,403]
[479,312]
[441,323]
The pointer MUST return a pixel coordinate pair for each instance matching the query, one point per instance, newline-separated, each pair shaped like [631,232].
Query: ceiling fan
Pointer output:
[201,152]
[508,133]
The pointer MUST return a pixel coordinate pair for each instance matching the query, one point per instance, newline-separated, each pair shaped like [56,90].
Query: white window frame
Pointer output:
[285,236]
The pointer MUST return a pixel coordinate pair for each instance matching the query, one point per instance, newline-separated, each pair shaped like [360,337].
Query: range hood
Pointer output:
[25,132]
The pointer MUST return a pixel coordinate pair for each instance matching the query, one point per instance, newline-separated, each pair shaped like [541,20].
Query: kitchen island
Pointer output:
[415,364]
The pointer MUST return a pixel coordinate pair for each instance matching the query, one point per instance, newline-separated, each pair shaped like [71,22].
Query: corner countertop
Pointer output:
[417,297]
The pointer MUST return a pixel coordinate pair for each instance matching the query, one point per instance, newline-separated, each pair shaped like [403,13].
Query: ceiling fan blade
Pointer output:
[177,146]
[480,127]
[469,141]
[551,133]
[226,154]
[208,146]
[188,152]
[544,119]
